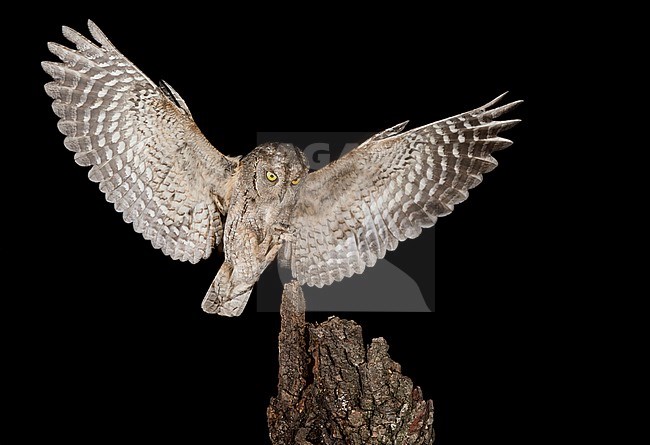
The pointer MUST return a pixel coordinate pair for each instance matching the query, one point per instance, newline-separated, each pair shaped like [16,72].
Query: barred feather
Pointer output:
[351,212]
[144,150]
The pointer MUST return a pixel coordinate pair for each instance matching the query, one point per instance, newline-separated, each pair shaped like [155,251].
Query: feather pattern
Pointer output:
[144,149]
[154,164]
[354,210]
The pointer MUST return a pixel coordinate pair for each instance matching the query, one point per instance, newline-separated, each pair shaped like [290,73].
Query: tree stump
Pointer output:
[332,389]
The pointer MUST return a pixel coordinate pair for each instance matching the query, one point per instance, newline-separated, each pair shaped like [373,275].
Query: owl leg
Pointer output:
[268,255]
[285,232]
[269,247]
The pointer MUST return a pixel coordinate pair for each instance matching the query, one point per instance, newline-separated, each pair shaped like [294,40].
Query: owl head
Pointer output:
[277,169]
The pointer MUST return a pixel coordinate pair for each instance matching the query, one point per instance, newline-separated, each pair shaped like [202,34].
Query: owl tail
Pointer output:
[224,296]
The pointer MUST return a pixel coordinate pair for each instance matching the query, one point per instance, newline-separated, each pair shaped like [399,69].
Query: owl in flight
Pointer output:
[186,197]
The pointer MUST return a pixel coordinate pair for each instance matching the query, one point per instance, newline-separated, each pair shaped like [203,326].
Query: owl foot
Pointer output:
[284,232]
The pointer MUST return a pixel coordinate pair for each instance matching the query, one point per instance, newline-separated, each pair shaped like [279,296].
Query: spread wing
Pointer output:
[146,152]
[388,189]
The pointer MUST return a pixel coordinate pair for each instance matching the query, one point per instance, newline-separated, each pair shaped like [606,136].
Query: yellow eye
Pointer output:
[271,176]
[295,181]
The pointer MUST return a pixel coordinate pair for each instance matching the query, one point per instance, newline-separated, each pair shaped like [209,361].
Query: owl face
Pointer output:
[278,169]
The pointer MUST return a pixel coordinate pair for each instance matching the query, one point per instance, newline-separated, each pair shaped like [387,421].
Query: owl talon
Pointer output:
[284,232]
[281,228]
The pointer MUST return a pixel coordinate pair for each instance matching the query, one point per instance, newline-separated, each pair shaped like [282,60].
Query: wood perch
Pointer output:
[333,390]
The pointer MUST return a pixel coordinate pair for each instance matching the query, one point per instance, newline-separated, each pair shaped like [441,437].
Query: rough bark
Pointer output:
[333,389]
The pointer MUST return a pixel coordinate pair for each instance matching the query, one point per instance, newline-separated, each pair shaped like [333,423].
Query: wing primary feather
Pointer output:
[496,112]
[494,101]
[99,35]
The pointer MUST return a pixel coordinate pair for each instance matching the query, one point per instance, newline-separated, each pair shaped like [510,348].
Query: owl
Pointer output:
[186,197]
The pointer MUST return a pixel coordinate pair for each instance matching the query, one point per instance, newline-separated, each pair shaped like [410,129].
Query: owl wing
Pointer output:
[146,152]
[352,211]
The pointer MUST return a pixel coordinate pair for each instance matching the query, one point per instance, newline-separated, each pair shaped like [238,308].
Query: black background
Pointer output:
[119,333]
